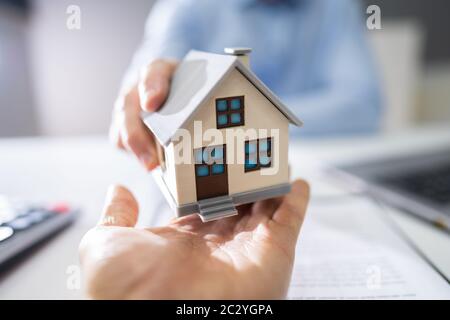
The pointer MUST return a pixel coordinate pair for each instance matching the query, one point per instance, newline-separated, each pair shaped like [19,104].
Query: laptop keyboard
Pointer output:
[431,184]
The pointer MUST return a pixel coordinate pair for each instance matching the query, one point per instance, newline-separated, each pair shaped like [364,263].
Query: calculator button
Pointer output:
[26,211]
[5,233]
[5,216]
[20,223]
[60,208]
[38,216]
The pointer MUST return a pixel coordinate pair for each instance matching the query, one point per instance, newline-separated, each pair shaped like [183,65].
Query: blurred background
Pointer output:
[55,81]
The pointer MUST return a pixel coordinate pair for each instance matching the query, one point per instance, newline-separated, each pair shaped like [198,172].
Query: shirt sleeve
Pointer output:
[344,96]
[169,33]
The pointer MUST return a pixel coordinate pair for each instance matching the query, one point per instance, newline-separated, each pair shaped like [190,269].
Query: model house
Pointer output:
[215,95]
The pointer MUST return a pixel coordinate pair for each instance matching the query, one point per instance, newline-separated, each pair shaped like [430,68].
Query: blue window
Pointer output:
[235,104]
[210,161]
[258,154]
[217,154]
[229,112]
[222,120]
[209,154]
[264,160]
[250,147]
[201,156]
[235,118]
[221,105]
[198,156]
[218,169]
[264,145]
[250,162]
[250,167]
[202,171]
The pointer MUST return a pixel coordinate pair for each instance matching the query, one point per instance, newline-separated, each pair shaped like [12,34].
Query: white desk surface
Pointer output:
[80,169]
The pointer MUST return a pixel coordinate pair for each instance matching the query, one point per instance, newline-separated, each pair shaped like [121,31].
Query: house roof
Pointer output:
[193,82]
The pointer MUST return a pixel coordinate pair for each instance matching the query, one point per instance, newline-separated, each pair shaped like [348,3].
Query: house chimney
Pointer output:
[242,53]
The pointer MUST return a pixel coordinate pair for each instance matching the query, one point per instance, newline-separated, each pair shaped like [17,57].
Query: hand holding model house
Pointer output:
[127,129]
[220,137]
[246,256]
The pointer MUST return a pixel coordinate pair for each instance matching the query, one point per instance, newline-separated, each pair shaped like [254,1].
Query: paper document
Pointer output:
[349,250]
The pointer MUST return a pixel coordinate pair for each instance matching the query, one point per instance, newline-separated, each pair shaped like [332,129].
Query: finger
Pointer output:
[155,84]
[291,212]
[132,134]
[139,140]
[116,123]
[114,134]
[121,208]
[266,208]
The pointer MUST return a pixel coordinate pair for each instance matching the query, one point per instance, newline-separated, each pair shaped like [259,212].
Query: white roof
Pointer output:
[194,80]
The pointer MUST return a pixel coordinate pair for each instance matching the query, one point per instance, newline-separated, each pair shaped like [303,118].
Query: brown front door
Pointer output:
[211,176]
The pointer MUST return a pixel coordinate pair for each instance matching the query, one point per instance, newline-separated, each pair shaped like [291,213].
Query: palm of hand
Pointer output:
[246,256]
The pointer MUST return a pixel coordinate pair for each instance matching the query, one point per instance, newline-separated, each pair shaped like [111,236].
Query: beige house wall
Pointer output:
[259,113]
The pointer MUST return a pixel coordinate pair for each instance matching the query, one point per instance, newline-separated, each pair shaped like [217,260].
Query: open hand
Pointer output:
[248,256]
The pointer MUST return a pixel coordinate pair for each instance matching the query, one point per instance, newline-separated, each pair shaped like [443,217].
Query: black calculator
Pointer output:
[24,225]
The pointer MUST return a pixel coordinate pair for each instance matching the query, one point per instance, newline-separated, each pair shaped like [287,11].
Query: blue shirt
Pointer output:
[312,53]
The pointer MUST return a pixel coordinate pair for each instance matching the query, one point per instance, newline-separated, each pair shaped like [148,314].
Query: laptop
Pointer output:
[416,183]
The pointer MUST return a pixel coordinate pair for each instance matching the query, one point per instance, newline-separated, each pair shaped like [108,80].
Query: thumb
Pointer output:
[121,208]
[154,85]
[292,209]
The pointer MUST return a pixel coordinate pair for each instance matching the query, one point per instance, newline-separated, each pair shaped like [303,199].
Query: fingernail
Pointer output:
[147,160]
[148,98]
[152,165]
[150,93]
[154,89]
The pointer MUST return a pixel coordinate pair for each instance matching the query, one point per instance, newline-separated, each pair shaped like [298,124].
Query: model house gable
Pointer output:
[194,81]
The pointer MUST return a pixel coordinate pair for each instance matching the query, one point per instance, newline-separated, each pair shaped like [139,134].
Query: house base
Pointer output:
[219,207]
